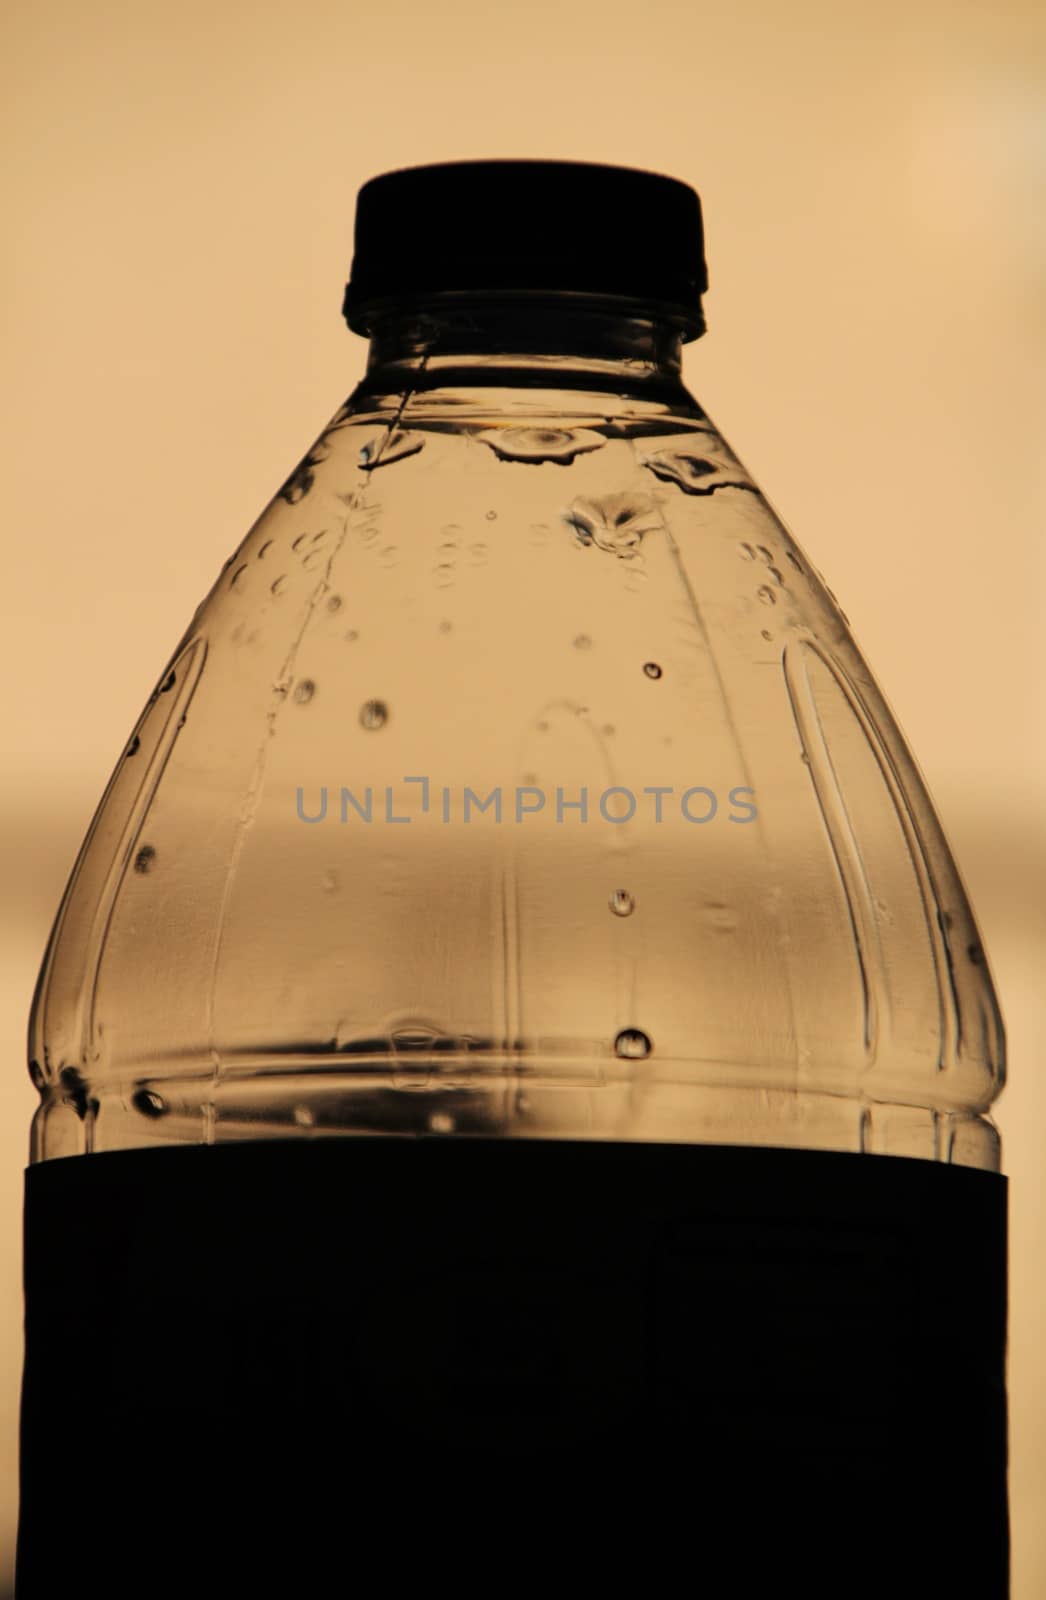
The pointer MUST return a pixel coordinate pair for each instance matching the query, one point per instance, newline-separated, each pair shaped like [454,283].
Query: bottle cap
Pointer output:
[469,227]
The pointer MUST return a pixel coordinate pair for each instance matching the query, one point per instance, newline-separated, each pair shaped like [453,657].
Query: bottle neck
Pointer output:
[563,342]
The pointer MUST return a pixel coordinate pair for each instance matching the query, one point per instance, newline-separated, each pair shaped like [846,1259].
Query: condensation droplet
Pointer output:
[383,450]
[582,642]
[622,903]
[334,603]
[616,523]
[698,471]
[143,861]
[720,916]
[304,692]
[766,595]
[149,1104]
[632,1044]
[652,669]
[538,445]
[375,714]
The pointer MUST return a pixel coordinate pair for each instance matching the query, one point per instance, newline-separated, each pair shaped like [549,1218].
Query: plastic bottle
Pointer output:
[528,1034]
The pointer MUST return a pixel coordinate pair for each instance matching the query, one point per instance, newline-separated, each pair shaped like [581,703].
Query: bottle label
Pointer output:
[757,1337]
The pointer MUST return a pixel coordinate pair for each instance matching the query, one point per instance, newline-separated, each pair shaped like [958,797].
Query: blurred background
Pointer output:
[179,185]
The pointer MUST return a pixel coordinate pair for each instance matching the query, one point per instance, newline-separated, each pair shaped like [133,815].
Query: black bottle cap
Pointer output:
[470,227]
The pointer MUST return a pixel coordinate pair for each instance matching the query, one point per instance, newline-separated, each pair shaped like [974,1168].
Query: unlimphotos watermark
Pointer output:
[616,804]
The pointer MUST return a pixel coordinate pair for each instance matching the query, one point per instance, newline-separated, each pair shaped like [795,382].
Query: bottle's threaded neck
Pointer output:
[553,341]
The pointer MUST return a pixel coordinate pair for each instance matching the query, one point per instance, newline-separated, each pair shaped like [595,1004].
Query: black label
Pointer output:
[353,1360]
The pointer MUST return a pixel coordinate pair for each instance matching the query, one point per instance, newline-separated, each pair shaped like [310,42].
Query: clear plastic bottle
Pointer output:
[519,787]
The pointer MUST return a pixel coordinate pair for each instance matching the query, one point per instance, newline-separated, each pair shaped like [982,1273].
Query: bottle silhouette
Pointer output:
[532,1046]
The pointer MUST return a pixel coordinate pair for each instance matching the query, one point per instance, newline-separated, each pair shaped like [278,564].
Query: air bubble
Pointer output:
[266,546]
[352,634]
[652,669]
[304,1117]
[143,861]
[304,692]
[622,903]
[746,552]
[278,585]
[329,881]
[237,575]
[374,714]
[492,516]
[582,642]
[766,595]
[441,1122]
[334,603]
[134,746]
[632,1044]
[767,635]
[149,1104]
[445,626]
[795,562]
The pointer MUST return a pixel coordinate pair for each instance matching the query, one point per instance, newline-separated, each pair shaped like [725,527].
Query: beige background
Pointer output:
[178,183]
